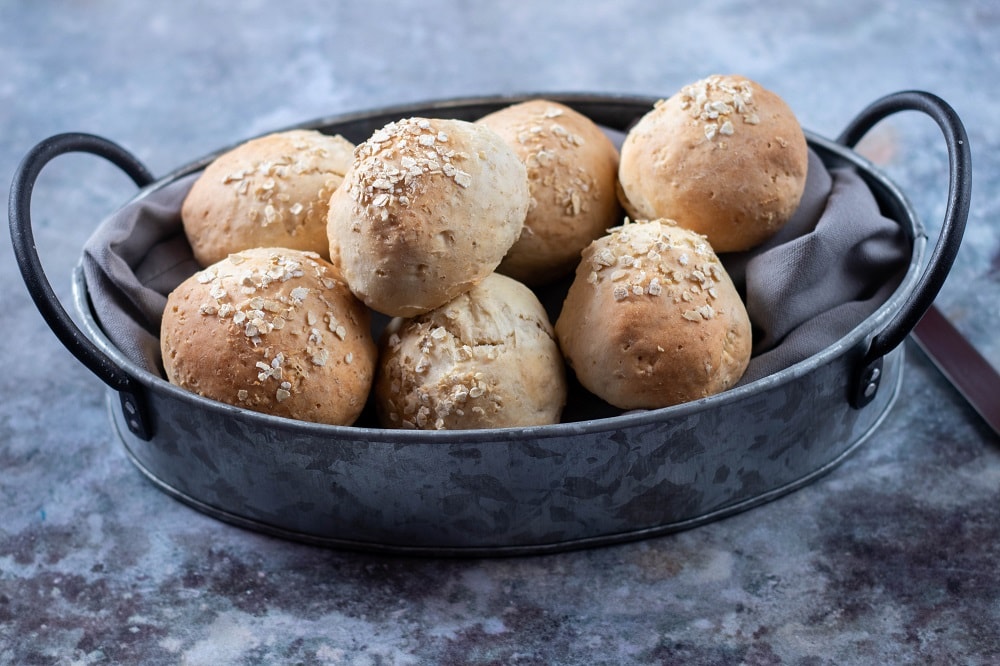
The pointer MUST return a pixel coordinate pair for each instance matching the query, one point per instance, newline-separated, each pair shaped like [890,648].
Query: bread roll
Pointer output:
[428,209]
[572,174]
[487,359]
[272,191]
[652,319]
[274,331]
[723,157]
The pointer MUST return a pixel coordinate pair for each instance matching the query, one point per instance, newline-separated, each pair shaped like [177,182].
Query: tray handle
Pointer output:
[66,330]
[952,228]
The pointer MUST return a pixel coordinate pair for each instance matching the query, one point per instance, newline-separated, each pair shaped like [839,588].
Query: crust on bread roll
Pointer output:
[723,157]
[652,319]
[487,359]
[427,210]
[572,174]
[272,330]
[272,191]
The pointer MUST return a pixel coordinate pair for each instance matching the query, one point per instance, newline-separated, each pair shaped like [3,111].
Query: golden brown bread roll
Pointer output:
[427,210]
[272,191]
[572,173]
[487,359]
[274,331]
[652,319]
[723,157]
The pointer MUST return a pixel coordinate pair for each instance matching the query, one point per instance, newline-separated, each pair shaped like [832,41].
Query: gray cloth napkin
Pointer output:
[131,262]
[830,267]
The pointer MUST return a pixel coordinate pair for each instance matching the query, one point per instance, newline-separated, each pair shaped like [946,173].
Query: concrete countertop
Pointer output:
[891,558]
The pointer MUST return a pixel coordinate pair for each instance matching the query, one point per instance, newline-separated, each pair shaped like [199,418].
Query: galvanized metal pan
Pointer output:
[517,490]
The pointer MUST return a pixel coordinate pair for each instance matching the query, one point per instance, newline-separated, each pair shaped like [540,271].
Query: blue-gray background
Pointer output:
[890,558]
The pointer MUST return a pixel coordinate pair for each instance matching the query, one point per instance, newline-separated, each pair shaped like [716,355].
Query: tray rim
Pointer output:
[499,550]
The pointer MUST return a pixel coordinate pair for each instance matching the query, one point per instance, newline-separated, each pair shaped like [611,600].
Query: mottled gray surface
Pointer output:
[891,558]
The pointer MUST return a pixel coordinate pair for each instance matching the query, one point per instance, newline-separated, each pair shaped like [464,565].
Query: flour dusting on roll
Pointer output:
[652,319]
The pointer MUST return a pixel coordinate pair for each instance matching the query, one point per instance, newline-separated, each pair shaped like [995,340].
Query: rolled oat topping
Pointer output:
[391,163]
[716,101]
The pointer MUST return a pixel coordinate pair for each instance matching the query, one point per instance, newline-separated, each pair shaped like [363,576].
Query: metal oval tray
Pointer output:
[526,490]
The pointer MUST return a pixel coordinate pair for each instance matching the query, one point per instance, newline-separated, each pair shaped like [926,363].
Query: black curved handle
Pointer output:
[952,228]
[19,212]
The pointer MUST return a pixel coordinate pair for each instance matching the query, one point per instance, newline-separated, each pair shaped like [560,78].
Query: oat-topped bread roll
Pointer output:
[572,174]
[724,157]
[428,209]
[487,359]
[272,191]
[652,319]
[272,330]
